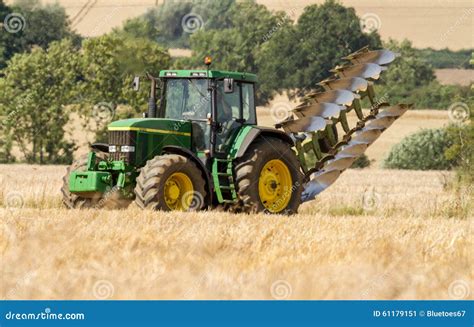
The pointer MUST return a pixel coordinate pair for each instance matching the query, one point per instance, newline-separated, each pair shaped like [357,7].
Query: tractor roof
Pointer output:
[196,73]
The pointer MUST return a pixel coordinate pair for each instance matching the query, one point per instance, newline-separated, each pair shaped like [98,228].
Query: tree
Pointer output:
[108,65]
[407,73]
[172,22]
[411,80]
[283,54]
[32,25]
[238,47]
[302,55]
[35,90]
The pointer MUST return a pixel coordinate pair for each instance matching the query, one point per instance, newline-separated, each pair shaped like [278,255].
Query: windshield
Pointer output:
[187,99]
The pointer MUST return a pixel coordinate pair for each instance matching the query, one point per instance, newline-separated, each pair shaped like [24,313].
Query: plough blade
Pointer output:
[394,111]
[353,149]
[353,84]
[380,123]
[323,109]
[379,57]
[367,71]
[342,97]
[340,163]
[367,136]
[304,125]
[319,183]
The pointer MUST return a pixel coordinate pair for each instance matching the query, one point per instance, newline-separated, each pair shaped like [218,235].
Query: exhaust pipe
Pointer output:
[152,100]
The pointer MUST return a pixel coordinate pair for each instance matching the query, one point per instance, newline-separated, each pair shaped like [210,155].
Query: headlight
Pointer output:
[127,148]
[112,148]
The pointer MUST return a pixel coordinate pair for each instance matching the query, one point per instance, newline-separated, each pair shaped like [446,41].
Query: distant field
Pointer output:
[455,76]
[375,234]
[438,24]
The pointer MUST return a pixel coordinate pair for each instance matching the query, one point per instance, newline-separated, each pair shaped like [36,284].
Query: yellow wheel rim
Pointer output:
[176,186]
[275,186]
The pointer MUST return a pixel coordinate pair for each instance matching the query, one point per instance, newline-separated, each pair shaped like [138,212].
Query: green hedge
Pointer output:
[424,150]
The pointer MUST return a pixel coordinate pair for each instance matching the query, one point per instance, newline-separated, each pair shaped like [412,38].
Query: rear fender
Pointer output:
[249,134]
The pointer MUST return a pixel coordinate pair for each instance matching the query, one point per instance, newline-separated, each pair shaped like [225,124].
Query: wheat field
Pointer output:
[375,234]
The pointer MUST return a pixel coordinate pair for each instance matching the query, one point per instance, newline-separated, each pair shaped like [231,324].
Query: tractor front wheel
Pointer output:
[74,201]
[170,182]
[269,178]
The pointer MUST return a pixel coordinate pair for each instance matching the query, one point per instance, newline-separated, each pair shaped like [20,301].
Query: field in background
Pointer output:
[455,76]
[438,24]
[375,234]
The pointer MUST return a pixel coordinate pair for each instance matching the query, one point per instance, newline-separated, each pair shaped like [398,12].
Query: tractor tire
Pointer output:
[170,182]
[268,178]
[74,201]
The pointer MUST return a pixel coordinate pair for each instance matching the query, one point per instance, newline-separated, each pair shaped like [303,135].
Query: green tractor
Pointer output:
[199,146]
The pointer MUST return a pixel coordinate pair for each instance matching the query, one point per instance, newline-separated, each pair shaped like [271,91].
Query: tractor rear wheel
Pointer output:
[170,182]
[74,201]
[268,178]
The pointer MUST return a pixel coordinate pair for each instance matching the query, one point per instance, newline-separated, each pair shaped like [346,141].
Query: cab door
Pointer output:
[233,111]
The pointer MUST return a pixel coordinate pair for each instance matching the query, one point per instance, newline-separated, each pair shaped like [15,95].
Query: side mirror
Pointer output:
[136,83]
[228,85]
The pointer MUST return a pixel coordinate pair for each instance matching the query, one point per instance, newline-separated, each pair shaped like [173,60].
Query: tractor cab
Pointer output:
[217,103]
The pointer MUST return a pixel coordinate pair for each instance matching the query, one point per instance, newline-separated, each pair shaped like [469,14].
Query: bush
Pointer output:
[361,162]
[462,151]
[424,150]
